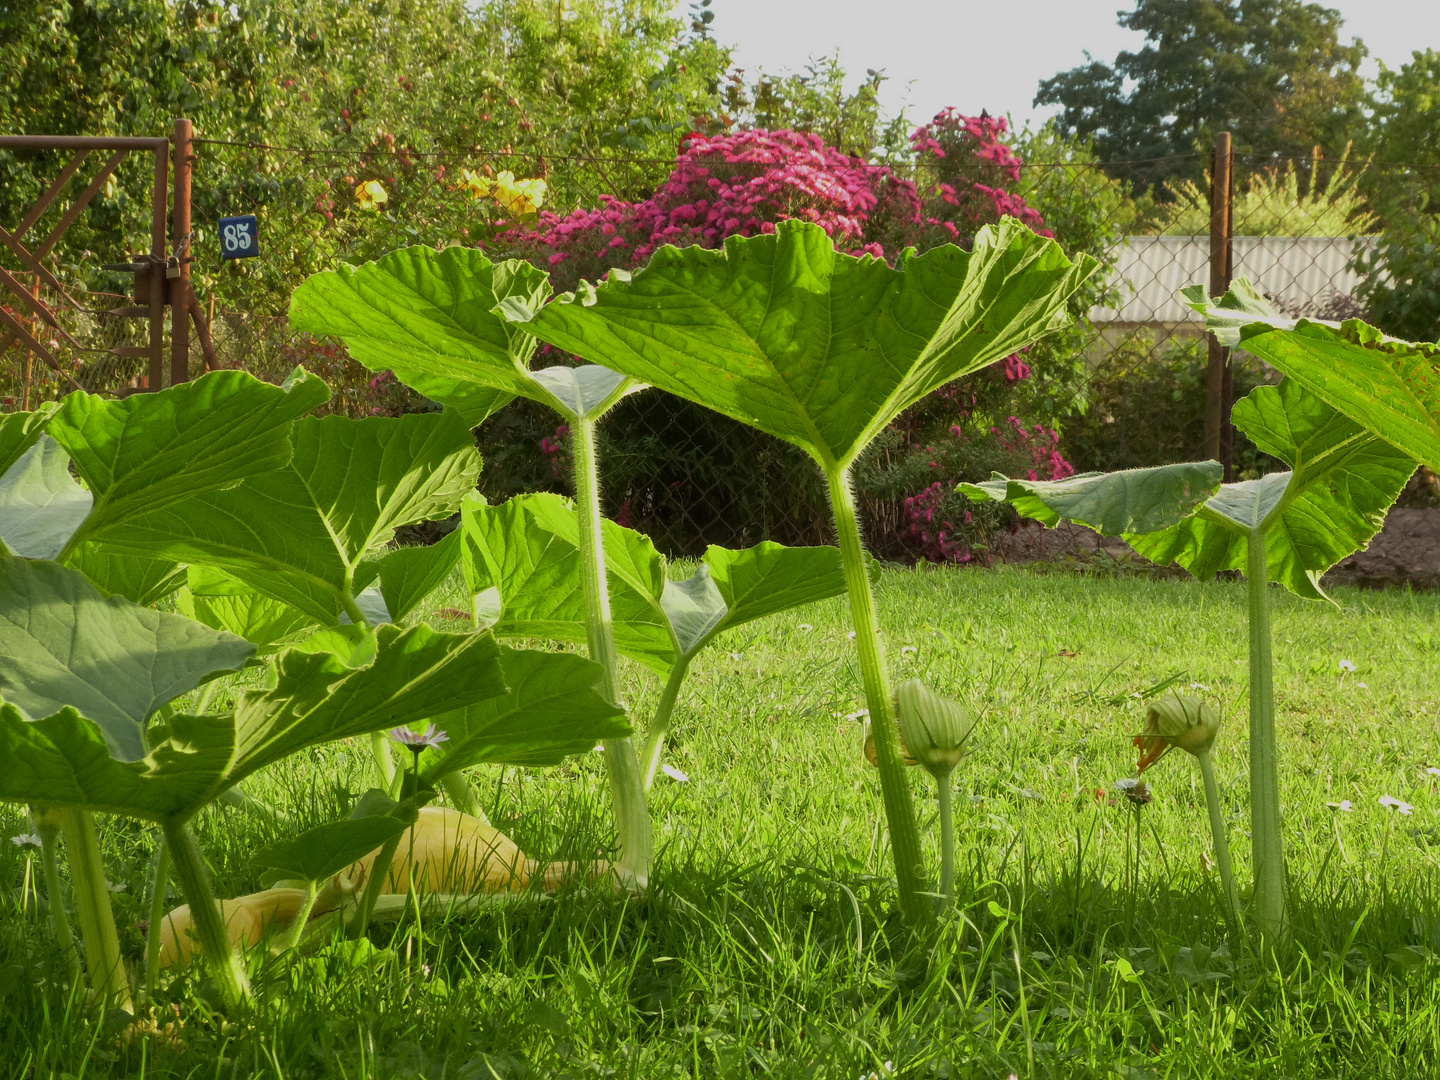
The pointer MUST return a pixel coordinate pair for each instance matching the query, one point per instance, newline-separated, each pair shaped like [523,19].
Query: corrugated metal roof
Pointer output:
[1300,270]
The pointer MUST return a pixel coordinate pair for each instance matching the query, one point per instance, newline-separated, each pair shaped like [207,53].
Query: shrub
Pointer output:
[687,476]
[1401,286]
[1147,406]
[1275,202]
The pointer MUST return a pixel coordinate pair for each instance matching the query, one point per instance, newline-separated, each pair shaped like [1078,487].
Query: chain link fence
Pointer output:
[1322,238]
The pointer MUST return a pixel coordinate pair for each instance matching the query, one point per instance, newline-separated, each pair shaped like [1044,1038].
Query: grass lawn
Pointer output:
[1088,942]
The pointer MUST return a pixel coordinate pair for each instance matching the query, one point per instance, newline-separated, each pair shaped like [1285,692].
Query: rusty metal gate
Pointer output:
[162,274]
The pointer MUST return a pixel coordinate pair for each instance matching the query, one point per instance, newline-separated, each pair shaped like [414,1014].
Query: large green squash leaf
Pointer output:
[551,711]
[145,581]
[1343,479]
[19,430]
[64,758]
[321,852]
[148,452]
[429,317]
[767,579]
[299,535]
[63,643]
[1389,387]
[522,563]
[408,575]
[41,507]
[40,504]
[815,347]
[417,673]
[223,601]
[1129,501]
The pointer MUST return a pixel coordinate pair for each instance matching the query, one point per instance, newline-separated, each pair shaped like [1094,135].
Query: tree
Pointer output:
[1406,124]
[573,76]
[1273,72]
[815,102]
[376,87]
[1401,290]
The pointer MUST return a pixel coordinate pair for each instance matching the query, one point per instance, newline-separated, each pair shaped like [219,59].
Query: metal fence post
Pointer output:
[1218,386]
[155,273]
[180,238]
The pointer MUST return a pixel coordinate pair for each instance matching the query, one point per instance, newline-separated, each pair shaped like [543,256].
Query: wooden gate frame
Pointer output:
[162,279]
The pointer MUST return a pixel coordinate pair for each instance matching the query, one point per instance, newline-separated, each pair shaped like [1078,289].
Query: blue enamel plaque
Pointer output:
[239,237]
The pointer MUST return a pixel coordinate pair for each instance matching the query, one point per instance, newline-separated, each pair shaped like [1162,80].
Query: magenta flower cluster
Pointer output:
[732,185]
[1041,443]
[967,172]
[554,449]
[938,537]
[744,183]
[934,539]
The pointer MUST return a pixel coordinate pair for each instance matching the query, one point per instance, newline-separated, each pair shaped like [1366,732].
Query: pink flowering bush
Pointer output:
[743,183]
[907,482]
[730,185]
[965,173]
[680,474]
[557,449]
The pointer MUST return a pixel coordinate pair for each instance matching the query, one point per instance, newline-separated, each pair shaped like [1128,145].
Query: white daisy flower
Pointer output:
[1392,803]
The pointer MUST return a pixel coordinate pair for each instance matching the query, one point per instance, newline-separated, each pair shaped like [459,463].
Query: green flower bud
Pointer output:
[1176,719]
[934,729]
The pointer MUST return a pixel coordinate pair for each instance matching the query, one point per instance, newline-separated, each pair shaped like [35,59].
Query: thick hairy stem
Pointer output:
[947,841]
[157,917]
[1221,842]
[660,722]
[352,609]
[384,763]
[297,928]
[203,701]
[1269,856]
[190,873]
[93,911]
[47,824]
[375,885]
[462,796]
[627,782]
[910,874]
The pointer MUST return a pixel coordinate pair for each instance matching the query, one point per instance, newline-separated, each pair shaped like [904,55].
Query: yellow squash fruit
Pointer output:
[459,854]
[454,853]
[246,919]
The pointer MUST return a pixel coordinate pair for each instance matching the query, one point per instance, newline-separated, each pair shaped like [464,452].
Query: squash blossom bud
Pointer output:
[1176,719]
[933,728]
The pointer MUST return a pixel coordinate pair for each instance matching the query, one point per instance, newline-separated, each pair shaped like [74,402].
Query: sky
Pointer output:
[992,55]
